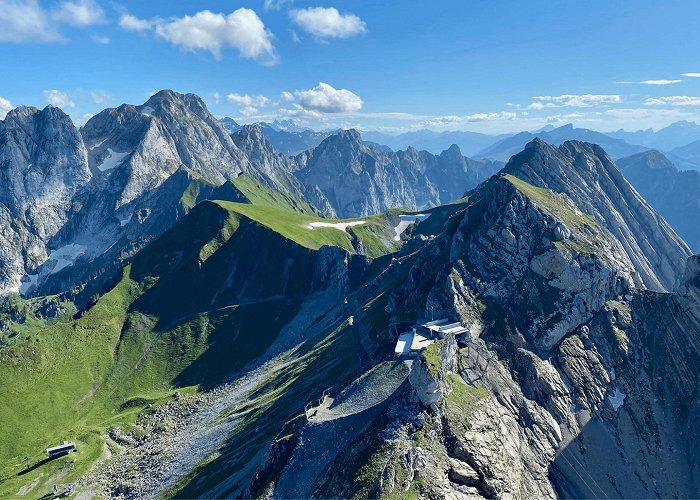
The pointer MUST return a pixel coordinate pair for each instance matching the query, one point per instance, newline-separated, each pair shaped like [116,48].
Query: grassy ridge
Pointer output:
[203,300]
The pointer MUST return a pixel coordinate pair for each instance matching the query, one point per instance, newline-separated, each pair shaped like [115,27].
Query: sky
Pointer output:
[393,66]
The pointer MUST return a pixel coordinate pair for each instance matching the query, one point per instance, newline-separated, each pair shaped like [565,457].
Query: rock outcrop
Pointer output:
[587,175]
[43,163]
[360,179]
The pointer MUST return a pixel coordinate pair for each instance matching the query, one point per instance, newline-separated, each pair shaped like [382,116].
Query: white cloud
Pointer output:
[324,22]
[442,121]
[275,4]
[536,105]
[24,21]
[481,117]
[691,75]
[325,98]
[298,111]
[217,97]
[133,23]
[249,111]
[578,101]
[5,107]
[58,99]
[456,120]
[79,13]
[660,82]
[247,100]
[674,100]
[102,40]
[99,96]
[206,30]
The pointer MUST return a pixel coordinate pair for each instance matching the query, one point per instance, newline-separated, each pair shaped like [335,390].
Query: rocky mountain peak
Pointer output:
[253,131]
[652,159]
[586,174]
[230,125]
[169,98]
[350,136]
[452,152]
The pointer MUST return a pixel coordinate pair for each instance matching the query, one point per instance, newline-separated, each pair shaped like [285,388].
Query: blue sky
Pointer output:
[388,65]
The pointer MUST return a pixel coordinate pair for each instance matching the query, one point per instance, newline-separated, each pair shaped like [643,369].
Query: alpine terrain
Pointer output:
[194,322]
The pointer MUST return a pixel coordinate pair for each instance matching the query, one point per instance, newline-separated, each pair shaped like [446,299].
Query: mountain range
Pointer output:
[680,140]
[99,193]
[205,315]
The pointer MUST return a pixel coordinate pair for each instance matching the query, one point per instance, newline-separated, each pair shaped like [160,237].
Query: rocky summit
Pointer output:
[204,315]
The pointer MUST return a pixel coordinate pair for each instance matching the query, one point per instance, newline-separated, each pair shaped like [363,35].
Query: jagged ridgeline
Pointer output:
[95,196]
[211,318]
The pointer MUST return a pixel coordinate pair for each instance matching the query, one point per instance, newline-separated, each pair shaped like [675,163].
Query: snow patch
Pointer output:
[97,144]
[113,160]
[29,281]
[124,222]
[617,399]
[343,226]
[405,221]
[65,256]
[147,110]
[612,374]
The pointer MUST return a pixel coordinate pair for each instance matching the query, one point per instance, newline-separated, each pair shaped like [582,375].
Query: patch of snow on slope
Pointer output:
[97,144]
[147,110]
[405,221]
[124,222]
[28,283]
[343,226]
[617,399]
[65,256]
[112,161]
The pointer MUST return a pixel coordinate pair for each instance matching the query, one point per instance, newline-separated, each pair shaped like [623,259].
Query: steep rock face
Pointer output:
[600,404]
[586,174]
[276,170]
[536,250]
[139,147]
[673,193]
[133,154]
[523,268]
[607,404]
[360,179]
[356,178]
[644,444]
[43,163]
[450,173]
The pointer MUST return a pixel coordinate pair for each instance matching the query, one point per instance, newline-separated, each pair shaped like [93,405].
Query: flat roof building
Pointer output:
[60,449]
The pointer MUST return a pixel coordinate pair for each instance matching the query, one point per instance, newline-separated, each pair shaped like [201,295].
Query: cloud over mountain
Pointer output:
[324,98]
[324,23]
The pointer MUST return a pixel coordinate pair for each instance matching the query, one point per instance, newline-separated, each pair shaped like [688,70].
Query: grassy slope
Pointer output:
[586,230]
[165,326]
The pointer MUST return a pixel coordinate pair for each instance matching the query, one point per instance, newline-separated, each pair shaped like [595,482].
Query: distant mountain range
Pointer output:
[680,141]
[470,143]
[666,139]
[674,193]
